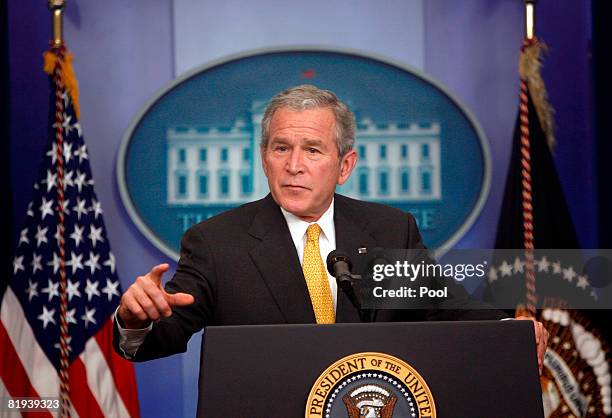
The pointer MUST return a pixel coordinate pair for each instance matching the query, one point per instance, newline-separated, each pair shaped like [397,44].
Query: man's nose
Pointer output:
[295,163]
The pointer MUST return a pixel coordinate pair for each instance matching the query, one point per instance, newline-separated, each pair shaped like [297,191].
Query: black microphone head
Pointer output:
[335,257]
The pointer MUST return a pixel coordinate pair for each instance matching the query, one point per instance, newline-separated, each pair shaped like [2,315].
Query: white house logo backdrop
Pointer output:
[193,151]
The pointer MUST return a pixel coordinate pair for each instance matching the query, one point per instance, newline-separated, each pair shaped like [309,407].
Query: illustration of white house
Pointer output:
[222,166]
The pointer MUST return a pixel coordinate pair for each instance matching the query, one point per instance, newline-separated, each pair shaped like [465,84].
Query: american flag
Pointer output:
[97,381]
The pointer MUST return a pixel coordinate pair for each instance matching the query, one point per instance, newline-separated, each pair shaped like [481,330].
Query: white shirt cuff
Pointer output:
[131,339]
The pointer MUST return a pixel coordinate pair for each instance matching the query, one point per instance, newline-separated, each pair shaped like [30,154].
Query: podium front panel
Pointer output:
[474,369]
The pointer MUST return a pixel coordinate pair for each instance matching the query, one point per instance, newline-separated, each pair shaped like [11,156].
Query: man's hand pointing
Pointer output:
[146,301]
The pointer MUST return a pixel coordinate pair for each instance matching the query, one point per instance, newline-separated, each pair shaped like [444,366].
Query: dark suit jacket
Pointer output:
[242,268]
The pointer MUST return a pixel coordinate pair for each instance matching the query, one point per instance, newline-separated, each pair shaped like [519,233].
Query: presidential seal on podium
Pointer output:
[370,385]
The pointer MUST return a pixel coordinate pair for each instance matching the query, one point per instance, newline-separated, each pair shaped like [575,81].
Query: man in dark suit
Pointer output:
[262,263]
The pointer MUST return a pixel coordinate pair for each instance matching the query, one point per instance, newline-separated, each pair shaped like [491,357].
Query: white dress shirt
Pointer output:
[131,339]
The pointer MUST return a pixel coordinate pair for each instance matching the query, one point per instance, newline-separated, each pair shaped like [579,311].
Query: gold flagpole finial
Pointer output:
[57,8]
[530,18]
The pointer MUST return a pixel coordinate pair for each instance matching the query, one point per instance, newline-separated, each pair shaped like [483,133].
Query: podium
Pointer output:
[465,369]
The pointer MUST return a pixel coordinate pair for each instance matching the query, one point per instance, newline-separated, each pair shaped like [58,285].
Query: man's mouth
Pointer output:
[295,187]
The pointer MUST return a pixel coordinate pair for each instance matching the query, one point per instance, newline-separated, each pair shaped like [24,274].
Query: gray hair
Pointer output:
[306,97]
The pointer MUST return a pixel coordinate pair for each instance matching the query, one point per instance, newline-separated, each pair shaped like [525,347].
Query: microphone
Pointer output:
[339,265]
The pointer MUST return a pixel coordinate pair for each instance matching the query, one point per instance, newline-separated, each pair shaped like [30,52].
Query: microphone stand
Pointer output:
[339,265]
[345,282]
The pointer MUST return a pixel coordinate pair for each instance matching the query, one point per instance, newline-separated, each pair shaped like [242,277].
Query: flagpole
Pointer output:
[528,230]
[57,10]
[58,74]
[530,18]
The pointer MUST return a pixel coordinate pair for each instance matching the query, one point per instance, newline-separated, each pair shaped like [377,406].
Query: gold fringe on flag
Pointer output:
[530,63]
[64,60]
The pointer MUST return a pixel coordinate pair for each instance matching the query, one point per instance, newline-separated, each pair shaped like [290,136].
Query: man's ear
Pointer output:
[347,164]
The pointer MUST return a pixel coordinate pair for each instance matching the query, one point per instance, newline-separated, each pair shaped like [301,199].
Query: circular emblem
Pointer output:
[576,376]
[193,151]
[576,380]
[370,385]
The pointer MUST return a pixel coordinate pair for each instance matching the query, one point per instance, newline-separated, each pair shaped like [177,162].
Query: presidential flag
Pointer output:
[57,311]
[575,379]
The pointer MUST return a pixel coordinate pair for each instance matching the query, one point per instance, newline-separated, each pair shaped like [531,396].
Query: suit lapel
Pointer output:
[278,263]
[350,234]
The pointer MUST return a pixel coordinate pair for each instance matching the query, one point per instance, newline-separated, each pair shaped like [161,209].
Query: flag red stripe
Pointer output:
[13,375]
[121,369]
[82,399]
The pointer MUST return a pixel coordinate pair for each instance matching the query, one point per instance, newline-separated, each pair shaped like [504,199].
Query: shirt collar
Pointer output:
[298,227]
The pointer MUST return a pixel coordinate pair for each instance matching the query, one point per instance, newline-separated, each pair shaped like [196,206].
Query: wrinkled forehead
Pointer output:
[316,123]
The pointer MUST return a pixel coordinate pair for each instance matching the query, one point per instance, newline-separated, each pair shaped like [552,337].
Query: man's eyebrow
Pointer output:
[312,141]
[307,141]
[279,139]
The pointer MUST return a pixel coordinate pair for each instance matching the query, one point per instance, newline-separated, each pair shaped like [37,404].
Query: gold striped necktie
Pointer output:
[316,278]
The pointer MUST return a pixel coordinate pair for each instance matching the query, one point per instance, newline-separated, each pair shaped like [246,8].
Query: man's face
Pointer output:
[301,161]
